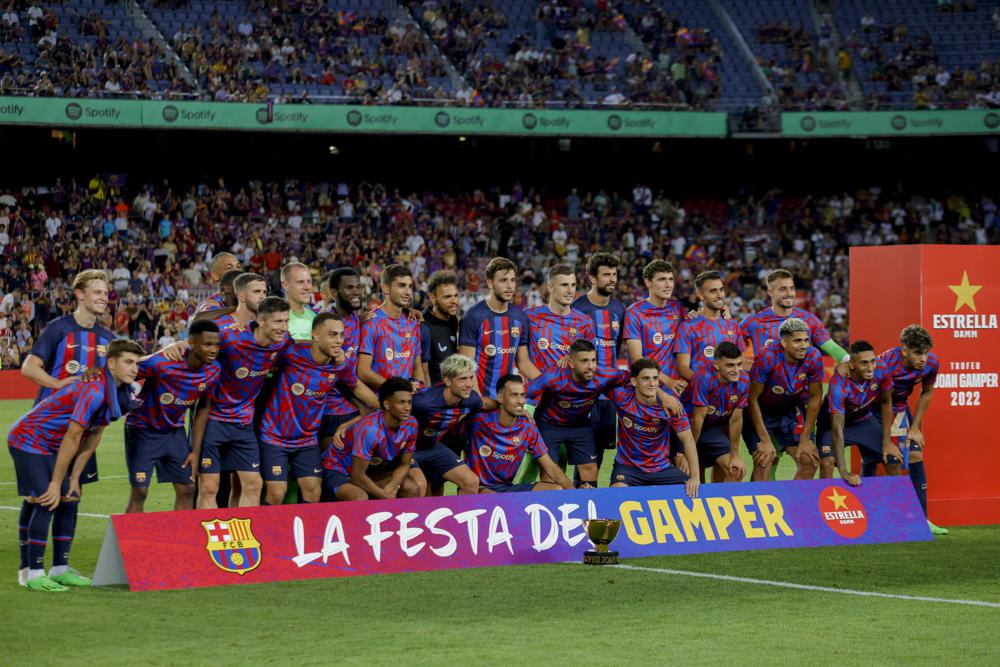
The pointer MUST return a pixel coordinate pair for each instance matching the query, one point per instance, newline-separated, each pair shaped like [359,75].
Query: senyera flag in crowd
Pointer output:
[167,550]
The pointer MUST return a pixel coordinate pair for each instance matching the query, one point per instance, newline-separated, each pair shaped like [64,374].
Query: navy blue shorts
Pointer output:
[164,451]
[579,441]
[780,427]
[277,462]
[900,429]
[713,443]
[865,434]
[604,422]
[89,474]
[330,423]
[34,472]
[436,462]
[508,488]
[332,480]
[229,447]
[632,476]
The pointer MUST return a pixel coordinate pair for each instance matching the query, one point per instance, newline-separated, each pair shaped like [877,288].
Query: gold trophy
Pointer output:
[601,532]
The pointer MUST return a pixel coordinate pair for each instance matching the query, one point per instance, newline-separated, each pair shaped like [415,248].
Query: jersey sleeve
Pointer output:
[679,422]
[817,331]
[468,331]
[744,389]
[364,441]
[46,345]
[474,403]
[760,370]
[931,370]
[588,331]
[538,386]
[147,367]
[425,343]
[633,328]
[526,332]
[699,396]
[687,334]
[741,340]
[369,338]
[89,401]
[835,396]
[534,441]
[410,445]
[885,381]
[814,366]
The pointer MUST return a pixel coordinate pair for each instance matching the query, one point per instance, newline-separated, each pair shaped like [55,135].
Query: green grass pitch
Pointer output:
[531,615]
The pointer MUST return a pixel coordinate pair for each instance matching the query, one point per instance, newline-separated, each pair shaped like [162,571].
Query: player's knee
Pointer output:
[916,456]
[183,491]
[310,491]
[252,485]
[348,492]
[826,468]
[209,484]
[139,492]
[411,489]
[468,483]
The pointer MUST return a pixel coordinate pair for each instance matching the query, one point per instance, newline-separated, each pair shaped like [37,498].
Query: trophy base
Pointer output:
[601,558]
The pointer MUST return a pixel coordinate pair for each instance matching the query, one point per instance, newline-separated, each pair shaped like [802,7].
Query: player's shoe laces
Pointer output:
[937,530]
[46,585]
[22,576]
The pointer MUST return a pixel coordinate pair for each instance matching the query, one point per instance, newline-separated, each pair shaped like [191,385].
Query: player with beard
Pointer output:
[439,330]
[222,264]
[702,334]
[495,332]
[341,408]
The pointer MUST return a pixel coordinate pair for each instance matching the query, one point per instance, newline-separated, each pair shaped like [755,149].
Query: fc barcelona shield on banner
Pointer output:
[231,545]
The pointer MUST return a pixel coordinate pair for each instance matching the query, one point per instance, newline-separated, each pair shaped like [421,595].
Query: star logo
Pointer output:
[965,293]
[839,501]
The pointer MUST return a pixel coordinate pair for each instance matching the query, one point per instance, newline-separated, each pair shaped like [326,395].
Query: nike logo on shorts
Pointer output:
[317,470]
[91,475]
[254,465]
[443,348]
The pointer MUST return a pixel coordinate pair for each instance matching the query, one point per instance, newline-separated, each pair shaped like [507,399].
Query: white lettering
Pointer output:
[406,534]
[535,511]
[377,536]
[333,542]
[471,519]
[431,522]
[499,532]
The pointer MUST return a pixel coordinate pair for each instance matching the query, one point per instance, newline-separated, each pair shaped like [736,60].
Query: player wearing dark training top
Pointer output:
[221,264]
[439,330]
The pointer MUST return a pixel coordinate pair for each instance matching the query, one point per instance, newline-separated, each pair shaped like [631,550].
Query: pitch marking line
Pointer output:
[96,516]
[807,587]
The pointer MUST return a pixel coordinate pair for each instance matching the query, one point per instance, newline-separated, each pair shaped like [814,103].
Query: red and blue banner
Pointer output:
[166,550]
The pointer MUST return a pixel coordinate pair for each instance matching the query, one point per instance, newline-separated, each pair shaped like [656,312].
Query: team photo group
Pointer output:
[352,403]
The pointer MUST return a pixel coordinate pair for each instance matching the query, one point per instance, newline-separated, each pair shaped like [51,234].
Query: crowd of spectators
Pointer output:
[99,65]
[157,241]
[803,77]
[364,56]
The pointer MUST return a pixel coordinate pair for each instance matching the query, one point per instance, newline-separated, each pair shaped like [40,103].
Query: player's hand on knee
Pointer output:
[51,497]
[737,469]
[682,464]
[890,450]
[765,454]
[75,491]
[808,454]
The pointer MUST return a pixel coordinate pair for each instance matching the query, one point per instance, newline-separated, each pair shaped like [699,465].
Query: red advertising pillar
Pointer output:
[954,292]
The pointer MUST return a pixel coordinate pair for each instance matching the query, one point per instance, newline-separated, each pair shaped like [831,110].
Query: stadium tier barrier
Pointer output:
[171,550]
[889,123]
[954,292]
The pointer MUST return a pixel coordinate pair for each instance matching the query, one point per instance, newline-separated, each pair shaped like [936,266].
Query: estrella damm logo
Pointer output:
[843,512]
[232,546]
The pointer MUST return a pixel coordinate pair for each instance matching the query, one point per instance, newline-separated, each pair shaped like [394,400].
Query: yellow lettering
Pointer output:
[747,517]
[641,536]
[773,515]
[664,522]
[722,515]
[694,517]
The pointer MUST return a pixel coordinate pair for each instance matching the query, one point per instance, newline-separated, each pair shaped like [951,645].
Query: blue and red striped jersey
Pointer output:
[371,439]
[609,328]
[786,383]
[763,329]
[348,372]
[700,336]
[169,390]
[495,337]
[294,410]
[245,366]
[563,401]
[720,398]
[496,451]
[905,379]
[89,404]
[436,418]
[657,329]
[213,302]
[225,321]
[855,400]
[393,344]
[644,431]
[551,335]
[67,349]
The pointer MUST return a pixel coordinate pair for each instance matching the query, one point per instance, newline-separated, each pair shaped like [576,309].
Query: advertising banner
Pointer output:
[166,550]
[889,123]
